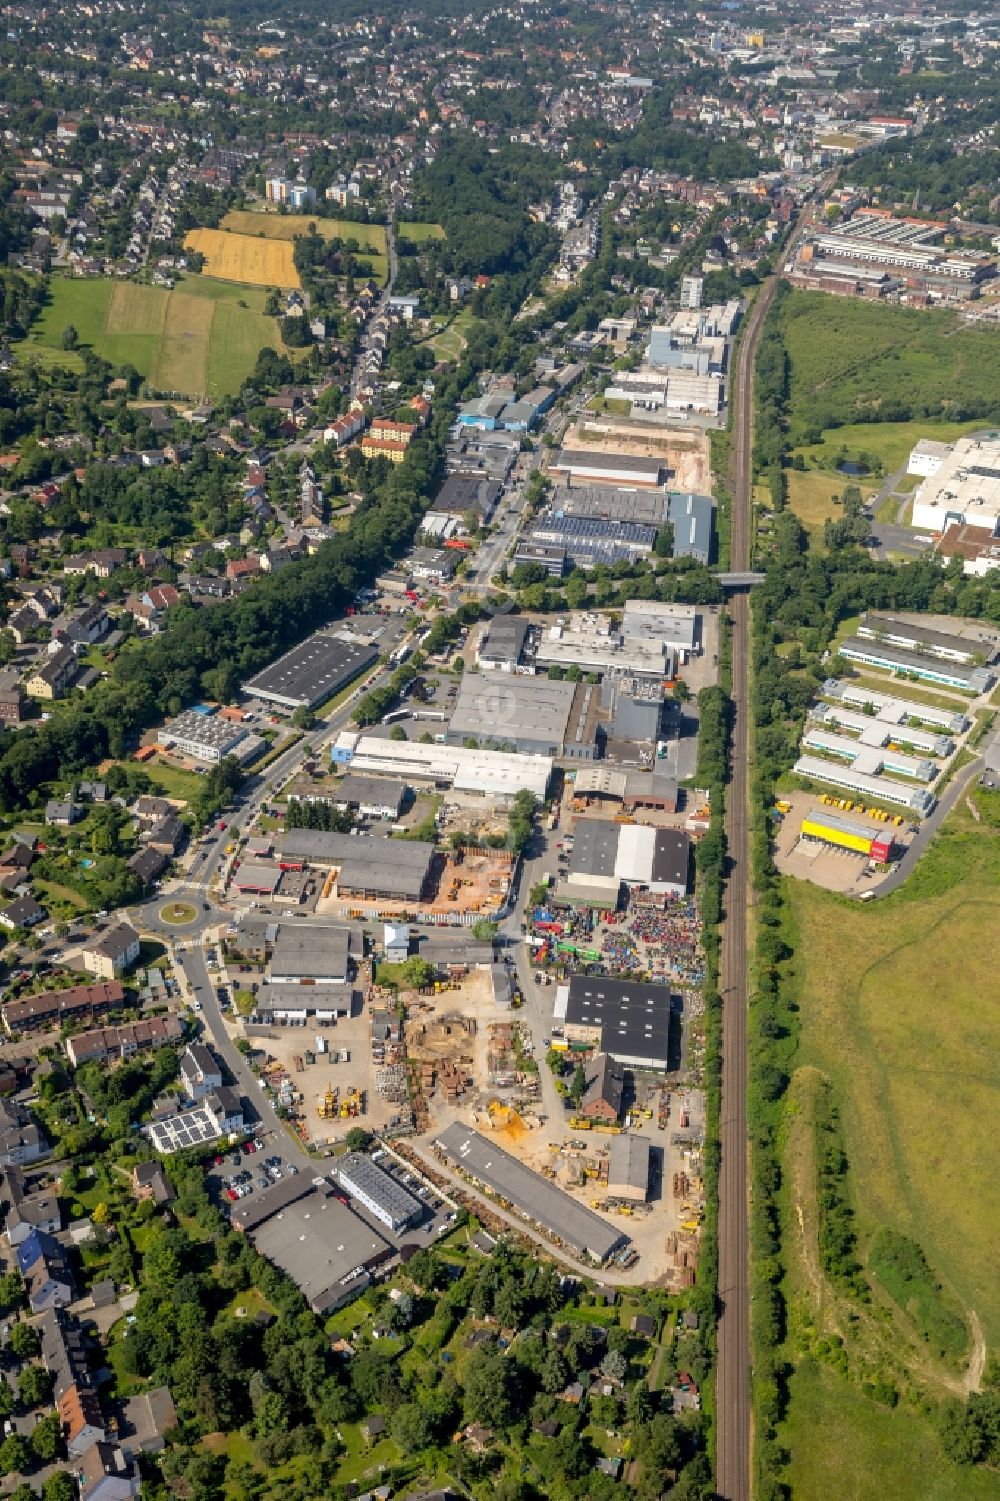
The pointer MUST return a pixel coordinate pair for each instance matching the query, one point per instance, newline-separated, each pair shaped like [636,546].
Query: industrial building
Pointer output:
[373,797]
[892,710]
[533,1196]
[904,252]
[590,644]
[626,1018]
[531,715]
[496,774]
[693,520]
[847,834]
[606,854]
[870,759]
[381,1195]
[608,468]
[310,953]
[207,737]
[879,789]
[301,1004]
[948,645]
[676,390]
[646,507]
[638,709]
[964,488]
[502,644]
[629,1164]
[632,789]
[674,625]
[468,492]
[873,731]
[312,671]
[326,1249]
[552,559]
[368,866]
[587,540]
[894,659]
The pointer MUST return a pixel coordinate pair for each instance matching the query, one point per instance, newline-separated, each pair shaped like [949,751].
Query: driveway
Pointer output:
[929,827]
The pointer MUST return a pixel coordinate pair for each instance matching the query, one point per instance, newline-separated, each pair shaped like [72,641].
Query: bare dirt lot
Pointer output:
[686,453]
[834,869]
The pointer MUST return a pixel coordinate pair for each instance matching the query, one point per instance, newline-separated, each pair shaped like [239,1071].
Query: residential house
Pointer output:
[81,1418]
[89,626]
[27,1209]
[111,1044]
[149,1181]
[43,1264]
[62,812]
[148,1418]
[165,835]
[113,953]
[200,1073]
[12,697]
[148,865]
[107,1474]
[55,675]
[102,563]
[24,912]
[52,1008]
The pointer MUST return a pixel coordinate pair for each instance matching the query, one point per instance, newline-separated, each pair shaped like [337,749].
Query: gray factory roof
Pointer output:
[319,1242]
[309,950]
[595,848]
[372,792]
[392,867]
[691,517]
[359,1174]
[671,856]
[210,730]
[617,463]
[504,639]
[467,492]
[248,1213]
[976,679]
[628,1161]
[634,1018]
[313,670]
[646,506]
[888,626]
[512,708]
[594,528]
[537,1198]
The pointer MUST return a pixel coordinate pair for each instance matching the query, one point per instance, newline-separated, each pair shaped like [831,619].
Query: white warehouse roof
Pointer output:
[495,773]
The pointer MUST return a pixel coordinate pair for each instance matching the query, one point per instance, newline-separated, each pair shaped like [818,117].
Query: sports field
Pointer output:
[899,1009]
[201,338]
[252,260]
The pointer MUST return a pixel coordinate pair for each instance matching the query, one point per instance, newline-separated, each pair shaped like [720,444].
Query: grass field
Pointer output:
[913,1060]
[843,1445]
[411,229]
[247,259]
[451,341]
[286,226]
[846,355]
[889,442]
[810,496]
[912,1065]
[202,338]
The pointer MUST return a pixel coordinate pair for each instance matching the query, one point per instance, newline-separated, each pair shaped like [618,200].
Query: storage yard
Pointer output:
[685,454]
[807,843]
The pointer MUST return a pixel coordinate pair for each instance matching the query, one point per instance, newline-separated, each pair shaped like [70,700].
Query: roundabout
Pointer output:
[178,914]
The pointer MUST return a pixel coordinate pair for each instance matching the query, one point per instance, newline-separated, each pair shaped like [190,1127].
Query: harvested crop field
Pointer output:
[287,226]
[249,259]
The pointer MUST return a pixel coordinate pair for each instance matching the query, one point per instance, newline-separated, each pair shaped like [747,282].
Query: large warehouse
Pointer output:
[593,647]
[675,625]
[311,953]
[847,834]
[533,1196]
[965,488]
[530,714]
[491,773]
[369,866]
[879,789]
[608,468]
[312,671]
[626,1018]
[605,854]
[589,539]
[648,507]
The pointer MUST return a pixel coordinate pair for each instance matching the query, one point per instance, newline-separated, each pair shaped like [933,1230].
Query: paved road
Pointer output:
[195,968]
[929,827]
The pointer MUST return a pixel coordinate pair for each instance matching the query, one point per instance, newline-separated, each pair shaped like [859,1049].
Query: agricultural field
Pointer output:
[249,259]
[909,1064]
[202,338]
[287,226]
[845,355]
